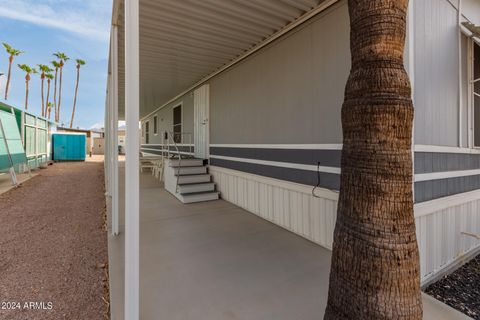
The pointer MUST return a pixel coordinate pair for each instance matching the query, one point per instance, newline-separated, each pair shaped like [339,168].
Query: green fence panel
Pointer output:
[41,123]
[13,141]
[42,141]
[30,141]
[29,119]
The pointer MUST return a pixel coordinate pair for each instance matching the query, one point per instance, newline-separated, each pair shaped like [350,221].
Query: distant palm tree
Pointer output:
[12,53]
[62,59]
[44,69]
[28,70]
[80,63]
[48,103]
[49,109]
[56,66]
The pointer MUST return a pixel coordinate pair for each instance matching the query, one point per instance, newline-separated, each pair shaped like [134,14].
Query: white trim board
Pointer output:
[432,206]
[444,149]
[281,164]
[339,146]
[281,146]
[445,175]
[166,145]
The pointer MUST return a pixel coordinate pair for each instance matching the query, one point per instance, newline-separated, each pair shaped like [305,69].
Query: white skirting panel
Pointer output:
[439,223]
[286,204]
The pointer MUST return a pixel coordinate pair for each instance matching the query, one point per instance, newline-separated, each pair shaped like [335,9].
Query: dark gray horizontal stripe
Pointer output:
[328,158]
[172,148]
[327,180]
[428,162]
[434,189]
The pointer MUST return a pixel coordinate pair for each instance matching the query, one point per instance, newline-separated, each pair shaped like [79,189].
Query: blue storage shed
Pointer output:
[69,146]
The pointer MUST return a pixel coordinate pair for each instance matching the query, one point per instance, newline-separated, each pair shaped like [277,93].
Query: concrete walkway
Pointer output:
[215,261]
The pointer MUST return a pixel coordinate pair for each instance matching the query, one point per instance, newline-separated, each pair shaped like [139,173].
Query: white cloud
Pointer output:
[98,125]
[87,18]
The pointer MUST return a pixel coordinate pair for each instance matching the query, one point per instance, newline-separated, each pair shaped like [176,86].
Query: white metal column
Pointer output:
[132,206]
[106,161]
[114,132]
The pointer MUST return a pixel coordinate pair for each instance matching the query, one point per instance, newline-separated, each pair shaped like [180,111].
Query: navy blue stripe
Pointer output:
[428,162]
[434,189]
[328,158]
[327,180]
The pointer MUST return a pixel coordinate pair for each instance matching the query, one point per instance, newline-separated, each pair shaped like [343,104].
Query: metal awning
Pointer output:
[182,42]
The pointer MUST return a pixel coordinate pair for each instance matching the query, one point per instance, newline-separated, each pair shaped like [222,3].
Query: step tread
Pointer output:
[196,184]
[197,196]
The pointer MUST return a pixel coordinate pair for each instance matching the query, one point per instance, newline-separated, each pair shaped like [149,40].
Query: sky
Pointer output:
[80,29]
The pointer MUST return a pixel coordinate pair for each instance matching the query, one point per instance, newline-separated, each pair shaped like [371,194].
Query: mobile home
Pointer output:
[254,91]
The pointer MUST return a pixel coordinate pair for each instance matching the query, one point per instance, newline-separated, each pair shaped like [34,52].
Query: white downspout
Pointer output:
[114,135]
[132,148]
[460,75]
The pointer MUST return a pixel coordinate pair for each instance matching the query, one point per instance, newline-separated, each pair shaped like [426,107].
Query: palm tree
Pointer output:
[48,103]
[62,59]
[80,63]
[375,270]
[28,70]
[56,66]
[44,69]
[12,52]
[49,109]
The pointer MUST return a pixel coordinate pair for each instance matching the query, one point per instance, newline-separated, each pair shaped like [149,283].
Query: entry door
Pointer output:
[201,101]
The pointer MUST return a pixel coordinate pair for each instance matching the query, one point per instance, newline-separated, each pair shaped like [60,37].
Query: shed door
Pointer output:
[201,103]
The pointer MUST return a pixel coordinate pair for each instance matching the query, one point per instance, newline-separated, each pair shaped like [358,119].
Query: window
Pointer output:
[177,124]
[147,132]
[155,128]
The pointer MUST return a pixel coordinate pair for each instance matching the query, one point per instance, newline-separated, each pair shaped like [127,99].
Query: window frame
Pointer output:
[179,141]
[155,125]
[147,132]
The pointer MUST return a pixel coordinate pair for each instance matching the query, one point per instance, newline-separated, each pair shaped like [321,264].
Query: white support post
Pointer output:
[114,136]
[132,175]
[107,139]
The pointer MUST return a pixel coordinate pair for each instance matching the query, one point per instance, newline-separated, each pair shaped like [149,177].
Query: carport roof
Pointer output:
[183,42]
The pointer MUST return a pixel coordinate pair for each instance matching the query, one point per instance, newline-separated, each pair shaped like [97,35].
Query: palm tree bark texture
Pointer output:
[375,272]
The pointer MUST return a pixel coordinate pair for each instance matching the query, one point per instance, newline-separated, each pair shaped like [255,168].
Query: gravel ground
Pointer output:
[53,246]
[461,289]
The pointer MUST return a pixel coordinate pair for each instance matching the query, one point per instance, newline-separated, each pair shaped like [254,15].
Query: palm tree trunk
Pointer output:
[75,98]
[60,94]
[26,94]
[43,99]
[10,61]
[47,110]
[375,270]
[55,95]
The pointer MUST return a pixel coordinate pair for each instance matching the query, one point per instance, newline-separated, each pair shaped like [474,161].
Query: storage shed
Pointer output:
[69,146]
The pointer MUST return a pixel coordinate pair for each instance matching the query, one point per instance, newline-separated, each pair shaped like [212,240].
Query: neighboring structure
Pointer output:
[121,140]
[91,135]
[69,146]
[36,134]
[98,146]
[266,113]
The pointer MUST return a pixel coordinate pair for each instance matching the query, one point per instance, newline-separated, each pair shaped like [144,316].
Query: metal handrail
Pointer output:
[170,135]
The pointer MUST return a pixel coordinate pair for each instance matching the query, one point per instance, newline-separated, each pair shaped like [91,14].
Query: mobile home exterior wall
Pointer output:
[275,121]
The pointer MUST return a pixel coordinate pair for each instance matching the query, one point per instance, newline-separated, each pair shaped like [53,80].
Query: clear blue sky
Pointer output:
[80,29]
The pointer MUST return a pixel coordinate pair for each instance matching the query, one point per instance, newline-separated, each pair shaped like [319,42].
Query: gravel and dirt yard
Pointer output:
[53,245]
[461,289]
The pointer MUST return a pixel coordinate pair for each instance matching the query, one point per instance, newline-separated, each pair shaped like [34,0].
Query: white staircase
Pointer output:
[189,180]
